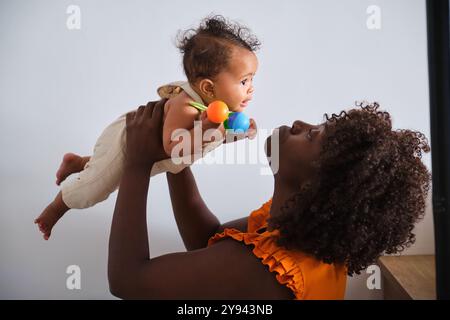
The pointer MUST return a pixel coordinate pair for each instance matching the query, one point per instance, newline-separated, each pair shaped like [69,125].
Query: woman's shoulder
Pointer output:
[227,270]
[253,280]
[250,223]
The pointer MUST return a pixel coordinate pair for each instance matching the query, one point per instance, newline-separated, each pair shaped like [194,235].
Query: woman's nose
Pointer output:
[298,126]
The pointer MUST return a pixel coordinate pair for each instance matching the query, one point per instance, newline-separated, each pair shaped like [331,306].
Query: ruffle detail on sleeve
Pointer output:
[278,260]
[257,218]
[228,232]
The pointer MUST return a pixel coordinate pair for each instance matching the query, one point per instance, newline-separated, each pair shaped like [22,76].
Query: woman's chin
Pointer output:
[268,147]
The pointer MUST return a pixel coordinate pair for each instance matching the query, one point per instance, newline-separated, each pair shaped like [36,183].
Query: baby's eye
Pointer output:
[243,82]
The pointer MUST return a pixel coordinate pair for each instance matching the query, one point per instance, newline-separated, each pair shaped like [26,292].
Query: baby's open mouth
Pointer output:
[245,103]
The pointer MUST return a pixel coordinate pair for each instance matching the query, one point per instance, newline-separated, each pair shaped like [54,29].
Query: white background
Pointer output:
[59,88]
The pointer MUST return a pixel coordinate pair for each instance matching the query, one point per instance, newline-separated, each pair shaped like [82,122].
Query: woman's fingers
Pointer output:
[158,110]
[149,109]
[129,117]
[140,111]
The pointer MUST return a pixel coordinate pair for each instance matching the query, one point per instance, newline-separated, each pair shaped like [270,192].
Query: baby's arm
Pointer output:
[180,115]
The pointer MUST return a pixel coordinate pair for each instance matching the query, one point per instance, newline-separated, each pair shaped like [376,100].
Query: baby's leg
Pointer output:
[51,214]
[72,163]
[102,173]
[99,176]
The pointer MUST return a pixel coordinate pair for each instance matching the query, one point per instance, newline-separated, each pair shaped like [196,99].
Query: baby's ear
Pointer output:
[206,87]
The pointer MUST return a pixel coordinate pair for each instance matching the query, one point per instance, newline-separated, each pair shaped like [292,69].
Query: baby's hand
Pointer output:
[252,130]
[206,123]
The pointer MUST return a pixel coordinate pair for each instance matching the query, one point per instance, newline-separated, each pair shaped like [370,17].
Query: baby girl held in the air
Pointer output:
[219,61]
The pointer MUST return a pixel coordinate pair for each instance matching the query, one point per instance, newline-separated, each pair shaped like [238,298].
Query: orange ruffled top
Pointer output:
[306,276]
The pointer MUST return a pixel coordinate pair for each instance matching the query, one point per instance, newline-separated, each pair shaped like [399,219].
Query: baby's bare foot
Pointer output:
[48,218]
[71,163]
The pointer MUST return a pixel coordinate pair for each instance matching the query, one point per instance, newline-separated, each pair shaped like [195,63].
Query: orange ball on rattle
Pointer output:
[217,111]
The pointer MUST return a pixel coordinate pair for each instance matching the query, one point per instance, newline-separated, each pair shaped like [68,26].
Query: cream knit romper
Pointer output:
[102,173]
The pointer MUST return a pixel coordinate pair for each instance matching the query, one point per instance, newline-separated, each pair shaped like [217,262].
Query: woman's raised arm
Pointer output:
[226,270]
[196,223]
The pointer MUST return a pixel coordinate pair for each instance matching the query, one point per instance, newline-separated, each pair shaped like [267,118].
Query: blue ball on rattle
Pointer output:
[239,122]
[217,112]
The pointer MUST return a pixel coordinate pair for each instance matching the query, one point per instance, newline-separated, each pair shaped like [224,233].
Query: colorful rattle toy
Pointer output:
[218,112]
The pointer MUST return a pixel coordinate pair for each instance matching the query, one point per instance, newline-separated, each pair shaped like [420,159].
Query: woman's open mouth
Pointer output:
[279,135]
[283,133]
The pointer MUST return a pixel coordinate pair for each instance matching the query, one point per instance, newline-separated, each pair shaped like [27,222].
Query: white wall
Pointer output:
[60,88]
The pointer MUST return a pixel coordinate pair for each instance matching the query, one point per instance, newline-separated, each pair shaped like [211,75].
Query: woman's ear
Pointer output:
[206,87]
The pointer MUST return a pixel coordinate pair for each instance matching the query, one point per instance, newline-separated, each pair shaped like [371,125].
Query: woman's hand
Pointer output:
[144,144]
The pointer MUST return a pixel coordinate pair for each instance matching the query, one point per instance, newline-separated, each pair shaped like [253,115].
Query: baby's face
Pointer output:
[234,86]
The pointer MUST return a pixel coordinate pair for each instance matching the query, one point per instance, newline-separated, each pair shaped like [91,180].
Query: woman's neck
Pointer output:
[281,193]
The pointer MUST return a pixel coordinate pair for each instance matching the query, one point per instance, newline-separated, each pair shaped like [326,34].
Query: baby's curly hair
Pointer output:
[207,49]
[369,190]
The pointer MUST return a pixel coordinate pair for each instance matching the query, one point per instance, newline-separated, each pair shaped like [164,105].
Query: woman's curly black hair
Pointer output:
[207,49]
[369,190]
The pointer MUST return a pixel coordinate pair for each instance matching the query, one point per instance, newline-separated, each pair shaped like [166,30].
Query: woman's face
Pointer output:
[298,147]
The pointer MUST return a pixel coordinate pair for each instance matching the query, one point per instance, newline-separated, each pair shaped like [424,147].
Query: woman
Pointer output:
[346,191]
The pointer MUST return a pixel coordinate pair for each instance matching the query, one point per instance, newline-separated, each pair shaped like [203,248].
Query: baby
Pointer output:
[220,63]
